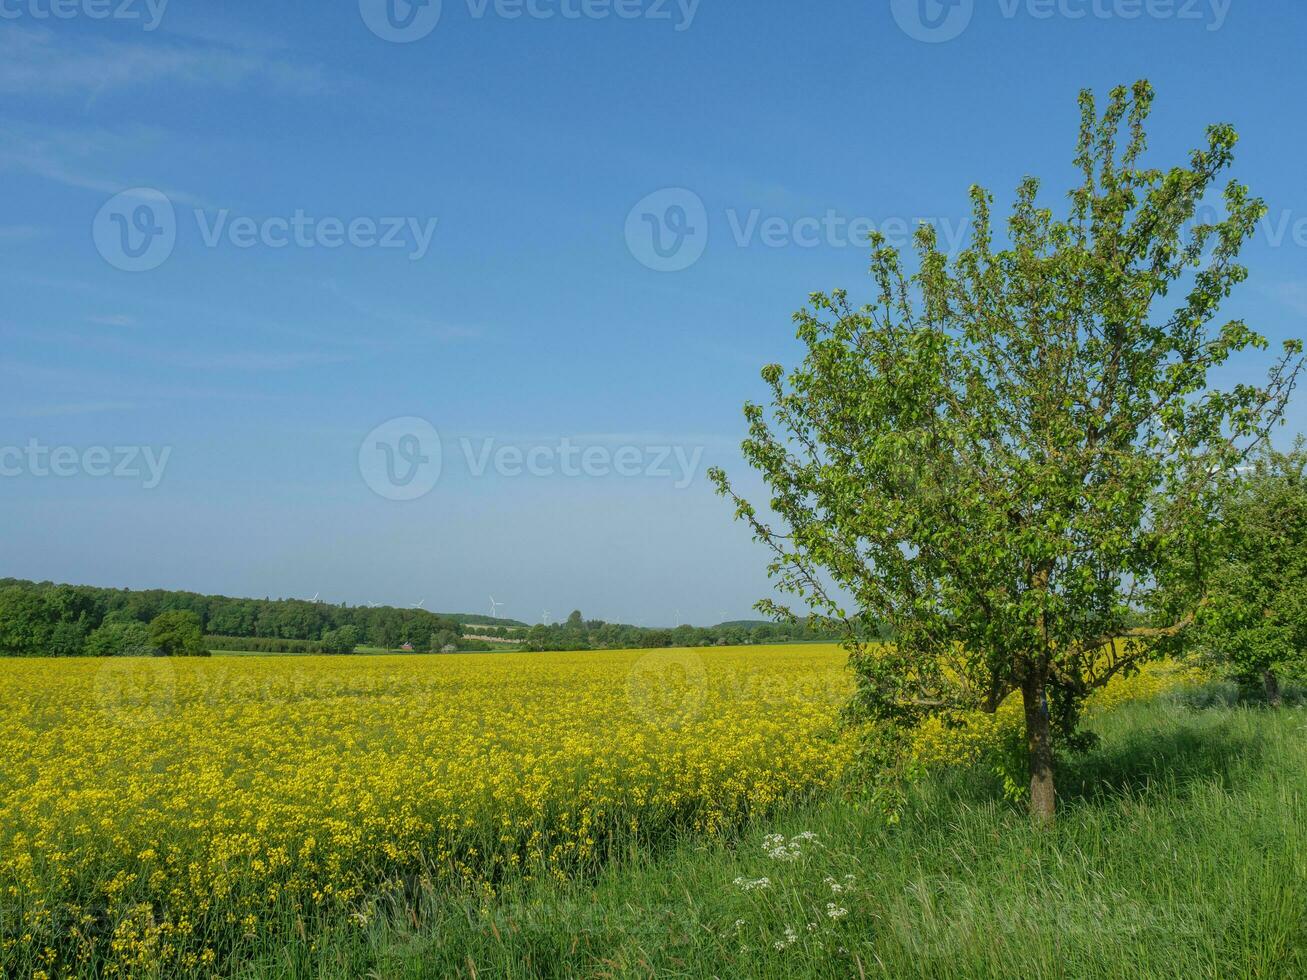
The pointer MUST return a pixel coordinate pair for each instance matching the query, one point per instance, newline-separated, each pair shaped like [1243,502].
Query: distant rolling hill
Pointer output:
[473,619]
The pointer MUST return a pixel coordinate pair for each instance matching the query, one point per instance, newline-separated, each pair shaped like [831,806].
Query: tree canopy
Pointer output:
[1005,455]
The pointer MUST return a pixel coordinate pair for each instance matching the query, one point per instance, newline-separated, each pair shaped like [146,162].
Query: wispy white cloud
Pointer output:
[252,361]
[411,328]
[39,61]
[20,233]
[68,409]
[43,282]
[75,157]
[247,361]
[113,320]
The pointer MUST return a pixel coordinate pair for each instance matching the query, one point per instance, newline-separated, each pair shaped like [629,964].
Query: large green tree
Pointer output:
[1254,623]
[26,620]
[177,634]
[1004,455]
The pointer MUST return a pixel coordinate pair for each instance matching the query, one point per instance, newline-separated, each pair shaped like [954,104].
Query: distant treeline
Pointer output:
[263,644]
[46,619]
[579,633]
[42,619]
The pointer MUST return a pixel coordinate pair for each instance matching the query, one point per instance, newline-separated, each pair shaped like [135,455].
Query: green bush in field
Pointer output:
[342,640]
[119,639]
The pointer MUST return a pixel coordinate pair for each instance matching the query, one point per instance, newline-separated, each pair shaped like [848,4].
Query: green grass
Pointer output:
[1180,850]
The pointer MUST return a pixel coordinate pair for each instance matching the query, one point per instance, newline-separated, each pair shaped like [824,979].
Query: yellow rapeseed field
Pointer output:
[163,812]
[160,815]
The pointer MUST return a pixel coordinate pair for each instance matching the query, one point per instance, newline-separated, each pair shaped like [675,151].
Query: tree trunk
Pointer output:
[1272,683]
[1039,744]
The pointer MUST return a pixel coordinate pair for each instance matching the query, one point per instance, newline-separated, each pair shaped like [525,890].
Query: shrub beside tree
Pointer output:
[117,638]
[1254,623]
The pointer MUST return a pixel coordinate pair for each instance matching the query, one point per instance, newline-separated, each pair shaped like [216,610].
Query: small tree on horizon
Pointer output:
[1006,455]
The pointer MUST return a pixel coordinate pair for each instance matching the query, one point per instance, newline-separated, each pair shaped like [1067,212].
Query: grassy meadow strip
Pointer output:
[1181,851]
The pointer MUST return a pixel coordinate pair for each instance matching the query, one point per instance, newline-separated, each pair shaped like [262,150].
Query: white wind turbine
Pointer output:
[419,604]
[494,608]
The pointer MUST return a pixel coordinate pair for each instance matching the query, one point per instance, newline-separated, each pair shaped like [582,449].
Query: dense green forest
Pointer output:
[48,619]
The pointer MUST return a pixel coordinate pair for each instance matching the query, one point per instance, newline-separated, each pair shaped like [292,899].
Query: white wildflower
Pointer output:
[779,849]
[835,911]
[791,937]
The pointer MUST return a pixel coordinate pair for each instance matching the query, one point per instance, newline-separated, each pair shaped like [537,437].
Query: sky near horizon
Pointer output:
[398,303]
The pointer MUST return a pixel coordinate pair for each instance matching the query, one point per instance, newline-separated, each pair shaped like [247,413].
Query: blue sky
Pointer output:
[518,303]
